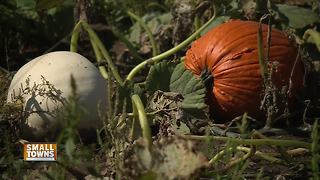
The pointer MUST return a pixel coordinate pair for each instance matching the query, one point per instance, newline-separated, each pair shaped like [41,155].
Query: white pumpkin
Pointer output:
[44,86]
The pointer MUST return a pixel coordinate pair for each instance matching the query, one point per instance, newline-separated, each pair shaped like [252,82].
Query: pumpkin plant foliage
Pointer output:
[166,77]
[173,98]
[153,21]
[297,17]
[159,77]
[191,88]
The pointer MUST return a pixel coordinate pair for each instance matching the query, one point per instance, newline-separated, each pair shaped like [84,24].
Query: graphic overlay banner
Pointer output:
[40,151]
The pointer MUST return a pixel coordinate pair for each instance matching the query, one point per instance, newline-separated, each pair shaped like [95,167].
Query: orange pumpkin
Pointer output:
[230,53]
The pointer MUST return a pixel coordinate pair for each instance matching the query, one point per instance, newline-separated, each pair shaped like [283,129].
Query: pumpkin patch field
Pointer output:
[159,89]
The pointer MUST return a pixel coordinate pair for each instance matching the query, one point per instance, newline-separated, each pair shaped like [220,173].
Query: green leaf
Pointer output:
[135,33]
[176,75]
[159,77]
[181,127]
[298,17]
[179,84]
[194,86]
[159,20]
[153,21]
[192,106]
[191,88]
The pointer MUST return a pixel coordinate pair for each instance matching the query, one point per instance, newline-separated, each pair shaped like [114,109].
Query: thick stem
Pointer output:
[138,108]
[218,156]
[168,53]
[250,152]
[262,155]
[75,37]
[98,55]
[103,50]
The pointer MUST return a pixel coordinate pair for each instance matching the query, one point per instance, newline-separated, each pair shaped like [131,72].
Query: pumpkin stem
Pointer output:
[207,78]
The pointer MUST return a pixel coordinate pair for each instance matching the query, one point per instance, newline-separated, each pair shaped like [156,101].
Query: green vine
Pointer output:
[75,37]
[155,50]
[138,111]
[98,55]
[104,51]
[166,54]
[98,48]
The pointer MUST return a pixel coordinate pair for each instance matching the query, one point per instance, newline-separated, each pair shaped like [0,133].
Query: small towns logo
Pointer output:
[40,151]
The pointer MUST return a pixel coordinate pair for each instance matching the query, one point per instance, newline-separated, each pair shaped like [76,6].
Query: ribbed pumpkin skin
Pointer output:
[230,53]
